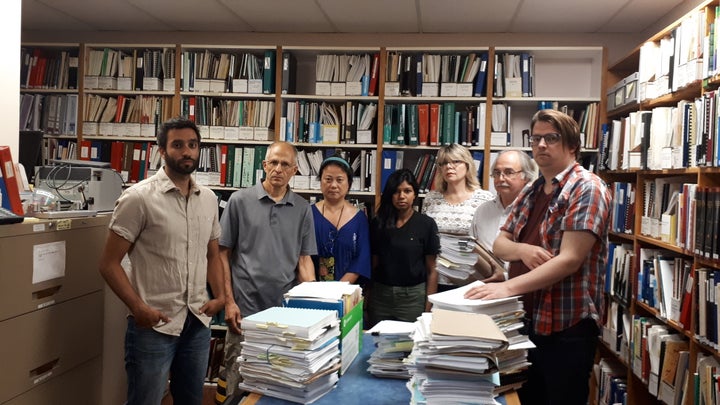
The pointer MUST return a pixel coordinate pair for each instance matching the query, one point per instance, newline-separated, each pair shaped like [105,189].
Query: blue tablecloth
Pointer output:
[357,386]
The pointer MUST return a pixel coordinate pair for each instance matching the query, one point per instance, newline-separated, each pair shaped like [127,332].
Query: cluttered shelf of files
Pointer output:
[247,95]
[661,155]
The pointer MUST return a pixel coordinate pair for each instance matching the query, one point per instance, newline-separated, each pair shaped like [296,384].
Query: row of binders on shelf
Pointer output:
[514,75]
[707,328]
[230,166]
[664,282]
[680,136]
[225,72]
[54,114]
[48,68]
[622,219]
[611,378]
[130,70]
[660,358]
[619,271]
[331,123]
[362,163]
[230,119]
[682,214]
[342,75]
[215,358]
[433,75]
[125,115]
[134,161]
[434,124]
[677,59]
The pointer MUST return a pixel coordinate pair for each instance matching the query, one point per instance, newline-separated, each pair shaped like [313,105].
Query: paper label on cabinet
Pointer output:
[48,261]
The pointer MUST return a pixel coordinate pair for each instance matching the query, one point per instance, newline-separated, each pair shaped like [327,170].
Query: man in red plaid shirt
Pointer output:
[555,239]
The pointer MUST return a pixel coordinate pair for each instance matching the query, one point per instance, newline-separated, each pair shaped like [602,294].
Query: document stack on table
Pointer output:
[290,353]
[506,313]
[392,345]
[453,359]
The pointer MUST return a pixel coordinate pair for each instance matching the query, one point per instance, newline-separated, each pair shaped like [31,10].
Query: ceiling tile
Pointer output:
[467,15]
[281,15]
[193,15]
[565,16]
[108,15]
[639,14]
[38,16]
[371,15]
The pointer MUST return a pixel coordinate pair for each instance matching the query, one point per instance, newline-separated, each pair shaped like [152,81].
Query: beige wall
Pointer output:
[618,44]
[10,76]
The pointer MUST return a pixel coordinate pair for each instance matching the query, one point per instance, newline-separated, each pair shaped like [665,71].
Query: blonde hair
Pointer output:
[456,151]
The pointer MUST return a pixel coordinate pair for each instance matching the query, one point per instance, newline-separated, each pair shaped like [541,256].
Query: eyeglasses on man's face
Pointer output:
[453,163]
[507,173]
[275,163]
[550,139]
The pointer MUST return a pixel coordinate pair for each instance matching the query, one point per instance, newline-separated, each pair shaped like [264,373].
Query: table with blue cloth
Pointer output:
[357,386]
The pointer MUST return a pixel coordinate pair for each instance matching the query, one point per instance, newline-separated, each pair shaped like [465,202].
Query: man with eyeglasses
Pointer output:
[510,172]
[556,240]
[268,237]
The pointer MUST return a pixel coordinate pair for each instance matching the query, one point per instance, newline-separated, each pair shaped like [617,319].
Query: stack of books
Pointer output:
[454,358]
[392,346]
[290,353]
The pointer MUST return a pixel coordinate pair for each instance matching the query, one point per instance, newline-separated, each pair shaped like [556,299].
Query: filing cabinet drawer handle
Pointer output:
[45,368]
[46,292]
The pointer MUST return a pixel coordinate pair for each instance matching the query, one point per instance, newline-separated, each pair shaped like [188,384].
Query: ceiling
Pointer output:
[347,16]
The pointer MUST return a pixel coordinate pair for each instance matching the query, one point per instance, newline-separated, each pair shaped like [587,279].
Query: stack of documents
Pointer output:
[454,358]
[290,353]
[327,291]
[340,296]
[457,259]
[507,314]
[392,345]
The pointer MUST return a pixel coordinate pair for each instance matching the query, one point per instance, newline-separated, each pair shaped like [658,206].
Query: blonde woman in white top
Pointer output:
[453,202]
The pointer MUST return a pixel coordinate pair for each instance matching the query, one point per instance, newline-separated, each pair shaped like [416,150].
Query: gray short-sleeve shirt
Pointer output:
[266,239]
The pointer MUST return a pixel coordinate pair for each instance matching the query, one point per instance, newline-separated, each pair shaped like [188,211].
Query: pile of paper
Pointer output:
[454,358]
[507,313]
[500,371]
[457,259]
[392,345]
[290,353]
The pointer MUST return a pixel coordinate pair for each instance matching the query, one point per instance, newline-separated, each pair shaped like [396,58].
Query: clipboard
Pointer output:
[485,258]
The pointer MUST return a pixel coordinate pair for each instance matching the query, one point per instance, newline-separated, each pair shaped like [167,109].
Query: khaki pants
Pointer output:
[232,366]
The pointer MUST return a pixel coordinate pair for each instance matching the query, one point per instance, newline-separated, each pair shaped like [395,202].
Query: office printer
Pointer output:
[91,185]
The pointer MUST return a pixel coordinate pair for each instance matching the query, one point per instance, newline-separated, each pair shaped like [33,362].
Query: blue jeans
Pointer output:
[151,357]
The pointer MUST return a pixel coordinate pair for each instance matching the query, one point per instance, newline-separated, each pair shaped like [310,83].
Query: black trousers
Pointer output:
[561,366]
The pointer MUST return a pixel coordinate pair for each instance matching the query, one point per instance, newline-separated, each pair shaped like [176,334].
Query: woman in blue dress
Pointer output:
[341,230]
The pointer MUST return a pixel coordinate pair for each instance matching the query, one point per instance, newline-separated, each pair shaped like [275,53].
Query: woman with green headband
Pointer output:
[341,230]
